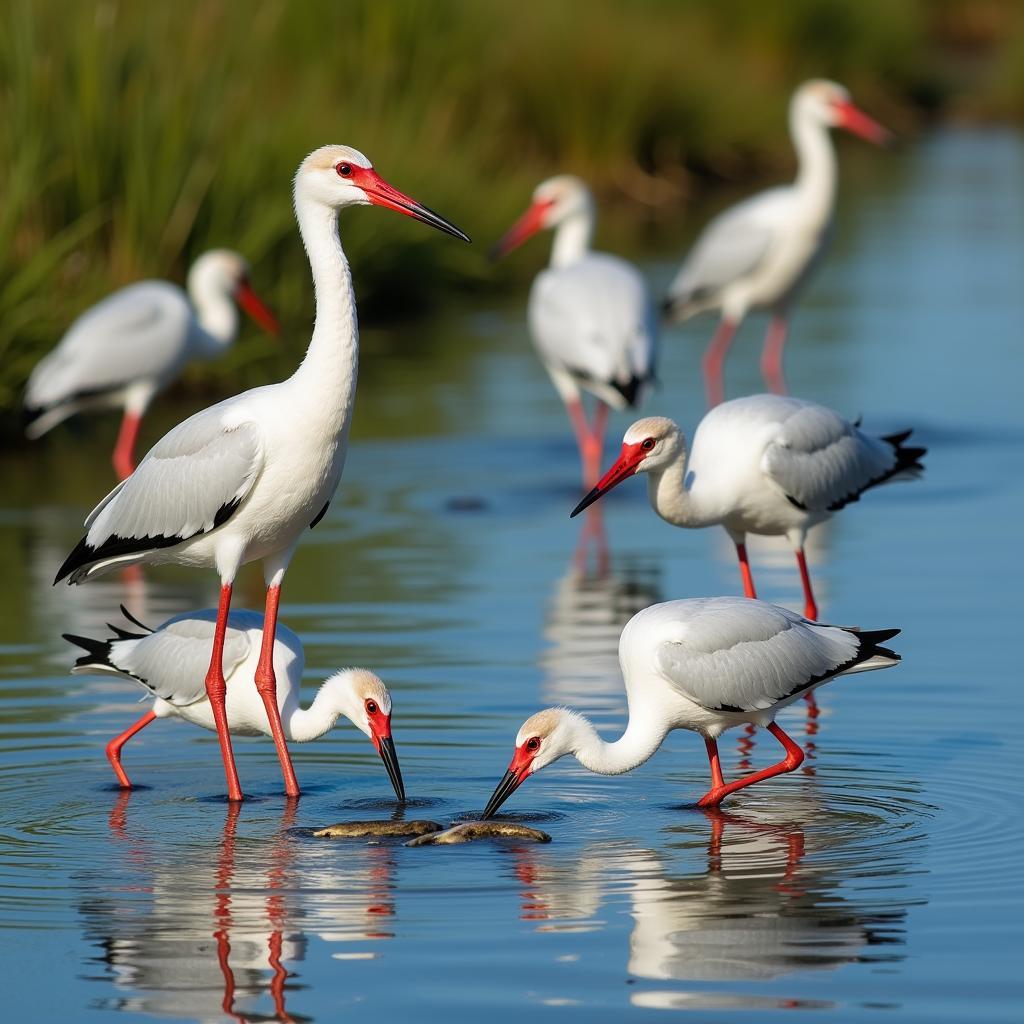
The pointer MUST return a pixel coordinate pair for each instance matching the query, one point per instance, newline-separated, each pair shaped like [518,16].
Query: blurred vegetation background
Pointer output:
[135,135]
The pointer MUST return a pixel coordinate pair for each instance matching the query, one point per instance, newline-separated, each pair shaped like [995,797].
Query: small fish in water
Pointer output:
[467,831]
[356,829]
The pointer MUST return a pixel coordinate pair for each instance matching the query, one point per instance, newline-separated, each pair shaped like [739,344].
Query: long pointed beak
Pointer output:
[854,120]
[253,305]
[625,466]
[379,192]
[510,782]
[386,749]
[526,227]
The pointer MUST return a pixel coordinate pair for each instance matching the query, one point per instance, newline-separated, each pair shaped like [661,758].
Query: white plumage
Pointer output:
[764,464]
[706,665]
[170,663]
[133,344]
[244,479]
[759,253]
[589,313]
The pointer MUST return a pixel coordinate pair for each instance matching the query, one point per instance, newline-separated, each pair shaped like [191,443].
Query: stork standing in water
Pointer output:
[133,344]
[169,662]
[763,464]
[707,665]
[589,312]
[759,253]
[244,479]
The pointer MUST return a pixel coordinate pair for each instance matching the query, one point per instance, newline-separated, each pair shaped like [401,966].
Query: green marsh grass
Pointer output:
[135,135]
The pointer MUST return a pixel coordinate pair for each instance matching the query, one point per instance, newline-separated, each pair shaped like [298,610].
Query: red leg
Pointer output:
[748,578]
[594,450]
[115,745]
[124,450]
[266,683]
[771,356]
[717,782]
[810,605]
[216,690]
[222,910]
[793,759]
[714,361]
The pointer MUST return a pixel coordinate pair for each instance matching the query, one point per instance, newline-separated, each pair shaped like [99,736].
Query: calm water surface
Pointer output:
[884,876]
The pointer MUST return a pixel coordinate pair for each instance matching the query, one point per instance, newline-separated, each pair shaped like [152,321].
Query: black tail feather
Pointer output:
[908,460]
[131,618]
[98,650]
[871,641]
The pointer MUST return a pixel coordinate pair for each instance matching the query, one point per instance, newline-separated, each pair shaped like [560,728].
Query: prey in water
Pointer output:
[468,831]
[359,829]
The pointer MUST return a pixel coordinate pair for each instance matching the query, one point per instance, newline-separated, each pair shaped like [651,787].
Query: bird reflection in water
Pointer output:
[156,928]
[754,912]
[590,604]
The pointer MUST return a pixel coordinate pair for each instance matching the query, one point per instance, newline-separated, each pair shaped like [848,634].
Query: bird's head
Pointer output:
[339,176]
[830,104]
[652,443]
[543,738]
[554,201]
[226,273]
[364,700]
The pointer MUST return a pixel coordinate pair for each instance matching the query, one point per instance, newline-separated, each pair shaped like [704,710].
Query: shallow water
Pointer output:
[884,875]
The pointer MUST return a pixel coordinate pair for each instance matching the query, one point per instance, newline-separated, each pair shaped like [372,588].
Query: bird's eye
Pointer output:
[647,444]
[344,170]
[371,707]
[533,743]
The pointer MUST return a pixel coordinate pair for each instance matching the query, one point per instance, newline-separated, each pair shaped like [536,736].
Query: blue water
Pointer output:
[883,876]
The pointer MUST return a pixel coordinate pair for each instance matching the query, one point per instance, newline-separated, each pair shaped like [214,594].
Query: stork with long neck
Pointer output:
[759,253]
[706,665]
[129,347]
[243,480]
[763,464]
[589,314]
[168,662]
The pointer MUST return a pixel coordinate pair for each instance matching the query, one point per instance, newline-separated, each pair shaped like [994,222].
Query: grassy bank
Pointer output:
[134,135]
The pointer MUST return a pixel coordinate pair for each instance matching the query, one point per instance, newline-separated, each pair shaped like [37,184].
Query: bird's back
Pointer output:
[593,319]
[142,331]
[171,660]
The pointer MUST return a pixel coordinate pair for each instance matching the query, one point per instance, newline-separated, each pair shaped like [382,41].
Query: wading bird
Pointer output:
[242,480]
[763,464]
[706,665]
[133,344]
[589,313]
[169,662]
[758,254]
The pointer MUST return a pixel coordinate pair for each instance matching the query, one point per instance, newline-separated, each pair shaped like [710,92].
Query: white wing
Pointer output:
[171,662]
[732,246]
[189,483]
[821,461]
[139,332]
[733,654]
[593,320]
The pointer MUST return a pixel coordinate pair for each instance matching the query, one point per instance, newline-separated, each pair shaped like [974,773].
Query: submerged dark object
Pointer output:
[358,829]
[468,831]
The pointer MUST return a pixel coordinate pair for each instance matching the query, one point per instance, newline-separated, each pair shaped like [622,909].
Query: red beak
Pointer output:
[518,770]
[526,227]
[855,120]
[380,193]
[625,466]
[253,305]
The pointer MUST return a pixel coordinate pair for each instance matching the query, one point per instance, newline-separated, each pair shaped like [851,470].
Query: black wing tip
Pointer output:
[80,557]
